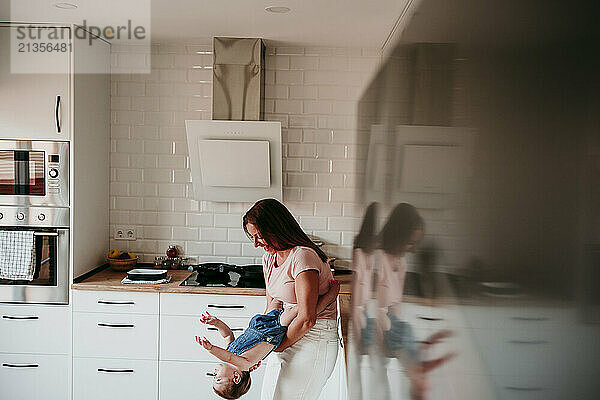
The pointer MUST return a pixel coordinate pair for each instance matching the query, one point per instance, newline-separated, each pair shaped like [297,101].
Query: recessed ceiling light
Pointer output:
[277,9]
[65,6]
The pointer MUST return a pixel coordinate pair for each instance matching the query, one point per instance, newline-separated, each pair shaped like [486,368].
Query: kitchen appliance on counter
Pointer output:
[225,275]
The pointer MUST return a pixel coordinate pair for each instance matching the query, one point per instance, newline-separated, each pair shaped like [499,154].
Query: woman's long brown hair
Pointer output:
[278,227]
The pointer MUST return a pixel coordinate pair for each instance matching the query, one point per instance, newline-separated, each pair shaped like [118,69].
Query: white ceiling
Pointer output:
[345,23]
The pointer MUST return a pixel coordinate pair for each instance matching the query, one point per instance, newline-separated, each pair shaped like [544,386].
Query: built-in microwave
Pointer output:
[34,173]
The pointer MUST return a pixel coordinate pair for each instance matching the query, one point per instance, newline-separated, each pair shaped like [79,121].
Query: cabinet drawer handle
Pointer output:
[119,303]
[20,365]
[116,371]
[20,318]
[528,341]
[103,325]
[222,306]
[57,111]
[433,319]
[530,318]
[524,389]
[233,329]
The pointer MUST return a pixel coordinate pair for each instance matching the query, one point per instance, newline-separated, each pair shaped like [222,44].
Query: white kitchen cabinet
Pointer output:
[101,379]
[115,336]
[35,329]
[115,345]
[218,305]
[178,337]
[115,302]
[35,377]
[189,381]
[34,104]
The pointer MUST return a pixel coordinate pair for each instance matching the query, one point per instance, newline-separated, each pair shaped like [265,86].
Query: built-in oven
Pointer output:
[34,173]
[48,229]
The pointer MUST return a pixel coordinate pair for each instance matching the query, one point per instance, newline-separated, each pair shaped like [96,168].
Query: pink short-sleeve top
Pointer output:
[281,280]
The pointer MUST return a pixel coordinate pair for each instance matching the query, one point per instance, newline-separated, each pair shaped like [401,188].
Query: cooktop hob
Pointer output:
[225,275]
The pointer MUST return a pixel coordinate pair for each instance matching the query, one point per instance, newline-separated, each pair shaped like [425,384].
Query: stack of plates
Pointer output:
[147,276]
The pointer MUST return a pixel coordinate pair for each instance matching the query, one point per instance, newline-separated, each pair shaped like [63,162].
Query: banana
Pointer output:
[114,253]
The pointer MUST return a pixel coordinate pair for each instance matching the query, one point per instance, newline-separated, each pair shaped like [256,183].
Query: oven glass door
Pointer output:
[45,260]
[51,270]
[22,172]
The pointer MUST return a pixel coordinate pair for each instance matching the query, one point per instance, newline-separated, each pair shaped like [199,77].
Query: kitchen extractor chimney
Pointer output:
[238,79]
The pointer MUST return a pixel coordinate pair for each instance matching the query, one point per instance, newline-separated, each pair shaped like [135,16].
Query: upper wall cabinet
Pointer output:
[34,82]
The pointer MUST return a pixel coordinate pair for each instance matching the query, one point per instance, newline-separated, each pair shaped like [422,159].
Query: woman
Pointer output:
[399,236]
[296,273]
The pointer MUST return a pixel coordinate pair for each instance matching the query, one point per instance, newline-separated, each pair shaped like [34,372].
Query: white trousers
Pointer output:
[301,371]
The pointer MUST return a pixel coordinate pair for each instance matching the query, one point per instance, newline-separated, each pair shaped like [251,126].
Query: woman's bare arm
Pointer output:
[307,295]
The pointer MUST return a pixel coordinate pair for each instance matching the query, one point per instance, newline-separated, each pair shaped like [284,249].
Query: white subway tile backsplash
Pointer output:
[288,107]
[313,223]
[317,194]
[330,180]
[248,250]
[303,92]
[353,210]
[331,151]
[312,92]
[158,147]
[289,77]
[213,234]
[172,219]
[198,248]
[304,63]
[314,165]
[328,209]
[343,223]
[228,249]
[185,233]
[156,232]
[195,219]
[228,220]
[131,89]
[142,132]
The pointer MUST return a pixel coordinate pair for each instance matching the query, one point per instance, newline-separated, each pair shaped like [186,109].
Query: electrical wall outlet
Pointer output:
[125,233]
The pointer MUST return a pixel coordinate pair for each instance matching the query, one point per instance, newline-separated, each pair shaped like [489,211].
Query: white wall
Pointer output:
[312,91]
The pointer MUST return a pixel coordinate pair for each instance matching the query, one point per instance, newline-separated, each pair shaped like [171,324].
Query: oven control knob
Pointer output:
[20,216]
[53,173]
[42,217]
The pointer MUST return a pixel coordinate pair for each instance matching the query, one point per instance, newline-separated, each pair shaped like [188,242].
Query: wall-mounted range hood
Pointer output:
[236,156]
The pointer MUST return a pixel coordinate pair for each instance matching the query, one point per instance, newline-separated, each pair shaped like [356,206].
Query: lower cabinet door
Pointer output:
[35,377]
[189,381]
[102,378]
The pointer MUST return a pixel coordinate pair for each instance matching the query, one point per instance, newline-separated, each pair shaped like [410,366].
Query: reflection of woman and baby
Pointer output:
[299,323]
[378,327]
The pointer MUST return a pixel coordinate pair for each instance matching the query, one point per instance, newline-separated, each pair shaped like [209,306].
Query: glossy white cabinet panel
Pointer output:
[188,381]
[218,305]
[35,377]
[35,329]
[177,337]
[101,379]
[29,102]
[115,335]
[115,302]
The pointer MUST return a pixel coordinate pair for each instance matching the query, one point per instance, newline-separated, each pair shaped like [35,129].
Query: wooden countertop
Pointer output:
[109,280]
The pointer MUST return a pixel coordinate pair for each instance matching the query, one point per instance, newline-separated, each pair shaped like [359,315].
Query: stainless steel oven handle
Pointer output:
[45,233]
[20,365]
[20,318]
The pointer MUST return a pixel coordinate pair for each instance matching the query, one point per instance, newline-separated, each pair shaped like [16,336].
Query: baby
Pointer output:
[243,355]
